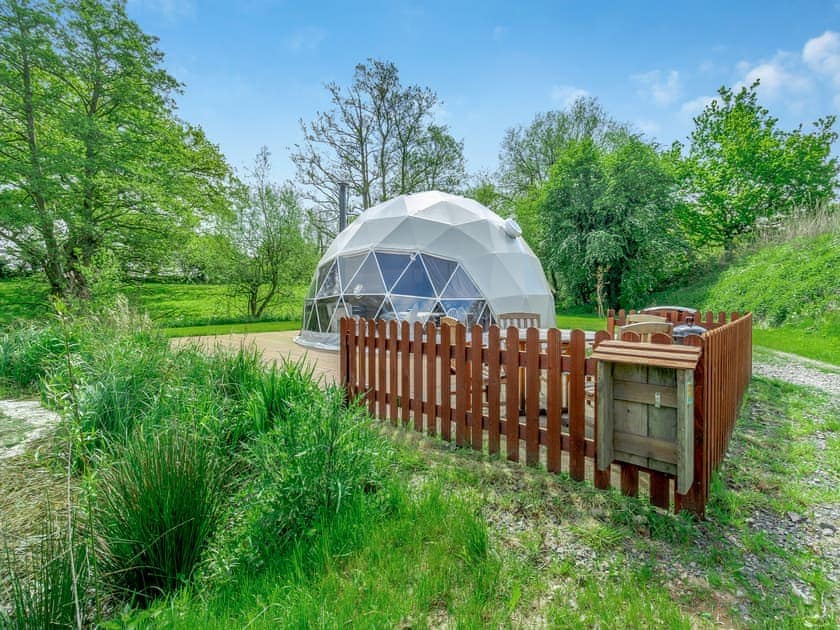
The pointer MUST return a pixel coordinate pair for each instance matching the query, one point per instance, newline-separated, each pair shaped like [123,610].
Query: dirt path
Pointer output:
[798,370]
[274,346]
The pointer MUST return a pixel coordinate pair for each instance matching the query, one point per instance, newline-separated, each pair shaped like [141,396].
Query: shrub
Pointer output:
[157,504]
[276,395]
[26,350]
[308,468]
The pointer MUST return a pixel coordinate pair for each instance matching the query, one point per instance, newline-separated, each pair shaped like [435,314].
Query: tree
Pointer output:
[380,138]
[265,253]
[93,156]
[607,223]
[741,166]
[528,153]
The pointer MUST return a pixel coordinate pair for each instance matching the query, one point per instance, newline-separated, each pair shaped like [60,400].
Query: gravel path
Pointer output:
[21,422]
[800,371]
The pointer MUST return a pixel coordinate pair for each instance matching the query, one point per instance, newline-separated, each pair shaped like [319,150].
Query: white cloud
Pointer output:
[822,55]
[499,33]
[306,38]
[781,76]
[695,105]
[661,87]
[567,94]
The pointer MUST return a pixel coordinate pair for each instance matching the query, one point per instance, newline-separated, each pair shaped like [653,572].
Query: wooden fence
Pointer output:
[536,402]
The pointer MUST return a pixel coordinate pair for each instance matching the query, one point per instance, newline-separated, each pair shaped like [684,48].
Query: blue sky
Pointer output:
[253,68]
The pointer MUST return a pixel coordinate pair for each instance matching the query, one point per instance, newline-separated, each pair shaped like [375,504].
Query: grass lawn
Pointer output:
[474,542]
[228,329]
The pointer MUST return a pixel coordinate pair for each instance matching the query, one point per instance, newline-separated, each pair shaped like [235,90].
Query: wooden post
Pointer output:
[460,385]
[371,360]
[405,371]
[393,364]
[381,364]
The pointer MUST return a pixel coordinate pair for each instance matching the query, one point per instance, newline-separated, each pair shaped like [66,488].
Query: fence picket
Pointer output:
[577,405]
[554,403]
[532,397]
[512,393]
[381,383]
[460,385]
[405,371]
[393,364]
[417,390]
[371,362]
[494,375]
[446,382]
[431,378]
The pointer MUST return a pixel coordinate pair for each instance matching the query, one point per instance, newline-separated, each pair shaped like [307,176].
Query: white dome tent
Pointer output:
[418,257]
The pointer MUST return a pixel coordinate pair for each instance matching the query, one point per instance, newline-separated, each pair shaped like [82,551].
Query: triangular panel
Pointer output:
[415,281]
[440,270]
[413,309]
[330,285]
[460,286]
[349,265]
[366,306]
[392,265]
[367,279]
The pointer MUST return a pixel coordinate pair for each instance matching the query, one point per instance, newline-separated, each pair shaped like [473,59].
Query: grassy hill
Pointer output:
[792,288]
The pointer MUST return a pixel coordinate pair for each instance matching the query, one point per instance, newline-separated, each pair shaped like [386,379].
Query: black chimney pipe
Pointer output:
[342,206]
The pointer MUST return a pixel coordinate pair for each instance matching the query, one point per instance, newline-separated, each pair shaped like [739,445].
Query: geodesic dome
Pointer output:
[418,257]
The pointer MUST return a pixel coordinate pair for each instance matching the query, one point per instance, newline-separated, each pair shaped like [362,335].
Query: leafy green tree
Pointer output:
[265,253]
[607,229]
[528,153]
[93,156]
[378,136]
[741,166]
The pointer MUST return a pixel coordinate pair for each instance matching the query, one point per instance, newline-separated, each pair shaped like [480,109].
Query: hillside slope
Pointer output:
[792,288]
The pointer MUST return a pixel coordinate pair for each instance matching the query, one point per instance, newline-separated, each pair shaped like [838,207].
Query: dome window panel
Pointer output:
[440,271]
[460,286]
[465,311]
[366,306]
[330,284]
[415,281]
[325,309]
[313,287]
[310,320]
[392,265]
[386,311]
[413,309]
[339,312]
[348,266]
[367,280]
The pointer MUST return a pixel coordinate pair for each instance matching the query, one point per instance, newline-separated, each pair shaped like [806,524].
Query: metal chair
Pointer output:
[519,320]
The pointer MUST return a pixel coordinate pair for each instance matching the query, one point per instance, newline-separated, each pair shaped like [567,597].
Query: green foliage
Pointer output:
[158,502]
[606,222]
[263,253]
[528,153]
[740,167]
[26,350]
[779,284]
[312,457]
[92,142]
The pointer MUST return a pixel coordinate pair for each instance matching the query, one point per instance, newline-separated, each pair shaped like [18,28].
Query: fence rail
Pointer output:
[532,398]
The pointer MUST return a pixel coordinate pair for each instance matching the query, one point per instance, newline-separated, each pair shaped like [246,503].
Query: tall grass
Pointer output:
[157,504]
[46,582]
